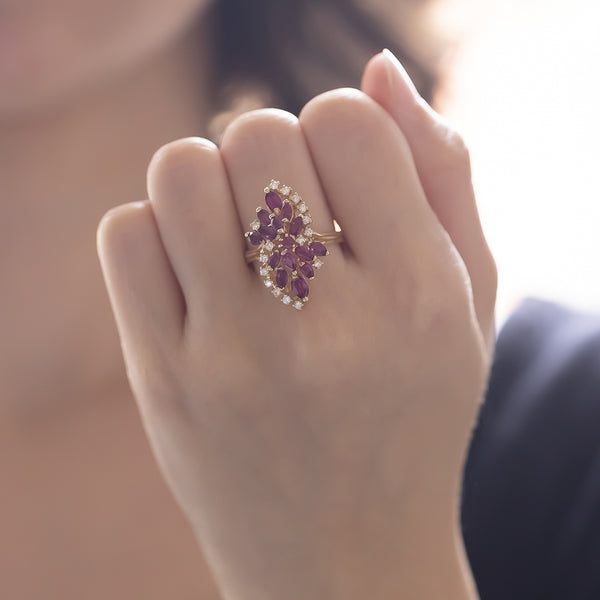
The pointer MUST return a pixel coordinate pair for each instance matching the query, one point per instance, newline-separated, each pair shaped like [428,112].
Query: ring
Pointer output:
[285,245]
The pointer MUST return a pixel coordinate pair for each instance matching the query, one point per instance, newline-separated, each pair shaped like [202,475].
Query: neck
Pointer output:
[60,171]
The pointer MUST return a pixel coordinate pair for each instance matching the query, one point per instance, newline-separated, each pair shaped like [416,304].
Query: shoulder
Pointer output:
[531,493]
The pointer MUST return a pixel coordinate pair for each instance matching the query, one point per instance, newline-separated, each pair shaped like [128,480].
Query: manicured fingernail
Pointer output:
[399,81]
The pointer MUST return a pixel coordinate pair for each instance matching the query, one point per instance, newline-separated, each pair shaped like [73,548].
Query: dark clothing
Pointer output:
[531,493]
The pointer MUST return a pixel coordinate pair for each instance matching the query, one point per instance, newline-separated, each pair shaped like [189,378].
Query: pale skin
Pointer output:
[314,454]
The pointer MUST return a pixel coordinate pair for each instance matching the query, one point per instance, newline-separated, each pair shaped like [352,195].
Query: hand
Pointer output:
[316,453]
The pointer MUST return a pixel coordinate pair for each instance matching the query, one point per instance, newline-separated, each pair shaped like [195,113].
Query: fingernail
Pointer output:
[399,81]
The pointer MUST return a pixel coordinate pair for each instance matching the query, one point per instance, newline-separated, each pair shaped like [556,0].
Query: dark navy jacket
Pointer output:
[531,491]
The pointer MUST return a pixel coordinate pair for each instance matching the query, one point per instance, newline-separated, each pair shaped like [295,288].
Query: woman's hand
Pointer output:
[317,453]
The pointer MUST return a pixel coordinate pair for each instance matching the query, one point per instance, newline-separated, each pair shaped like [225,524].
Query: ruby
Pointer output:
[287,242]
[286,211]
[299,287]
[255,238]
[274,260]
[268,231]
[281,278]
[303,253]
[289,261]
[296,226]
[318,249]
[263,216]
[307,270]
[273,200]
[277,223]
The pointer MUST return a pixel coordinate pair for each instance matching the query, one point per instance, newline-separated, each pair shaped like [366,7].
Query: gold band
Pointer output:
[289,251]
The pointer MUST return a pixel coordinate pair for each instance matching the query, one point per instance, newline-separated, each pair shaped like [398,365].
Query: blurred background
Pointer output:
[523,87]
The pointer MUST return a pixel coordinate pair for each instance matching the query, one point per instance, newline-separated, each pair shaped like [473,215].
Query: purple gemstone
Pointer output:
[281,278]
[268,232]
[296,226]
[303,253]
[299,287]
[289,261]
[273,200]
[277,223]
[286,211]
[307,270]
[318,249]
[255,238]
[287,242]
[274,260]
[263,216]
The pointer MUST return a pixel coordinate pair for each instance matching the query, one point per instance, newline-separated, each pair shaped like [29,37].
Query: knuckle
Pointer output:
[256,126]
[178,166]
[119,228]
[451,149]
[343,107]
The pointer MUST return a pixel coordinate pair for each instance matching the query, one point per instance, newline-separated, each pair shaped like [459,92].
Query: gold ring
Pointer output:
[286,246]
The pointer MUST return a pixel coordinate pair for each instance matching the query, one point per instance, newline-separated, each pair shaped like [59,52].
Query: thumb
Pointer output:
[443,165]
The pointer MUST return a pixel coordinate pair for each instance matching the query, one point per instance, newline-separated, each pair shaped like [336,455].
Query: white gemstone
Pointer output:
[268,283]
[286,299]
[276,292]
[295,198]
[285,190]
[255,225]
[263,258]
[269,245]
[264,271]
[306,219]
[308,231]
[267,190]
[317,264]
[302,208]
[298,305]
[274,184]
[300,240]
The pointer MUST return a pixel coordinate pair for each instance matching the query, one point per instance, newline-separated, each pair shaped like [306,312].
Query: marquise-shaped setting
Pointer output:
[289,254]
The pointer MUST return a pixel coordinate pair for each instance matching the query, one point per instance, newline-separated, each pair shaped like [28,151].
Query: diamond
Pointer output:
[295,198]
[317,264]
[306,219]
[264,271]
[300,239]
[276,292]
[263,258]
[255,225]
[286,299]
[308,231]
[298,305]
[285,190]
[303,208]
[274,184]
[268,283]
[269,245]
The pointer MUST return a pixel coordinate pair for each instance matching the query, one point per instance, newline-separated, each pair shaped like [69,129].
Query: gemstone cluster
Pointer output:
[289,252]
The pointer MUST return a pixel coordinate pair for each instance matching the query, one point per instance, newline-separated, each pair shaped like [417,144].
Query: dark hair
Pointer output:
[296,49]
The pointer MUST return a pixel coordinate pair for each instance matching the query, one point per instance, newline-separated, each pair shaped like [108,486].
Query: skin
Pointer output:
[86,512]
[316,454]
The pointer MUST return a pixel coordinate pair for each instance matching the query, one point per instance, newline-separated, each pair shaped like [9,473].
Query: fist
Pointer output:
[317,453]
